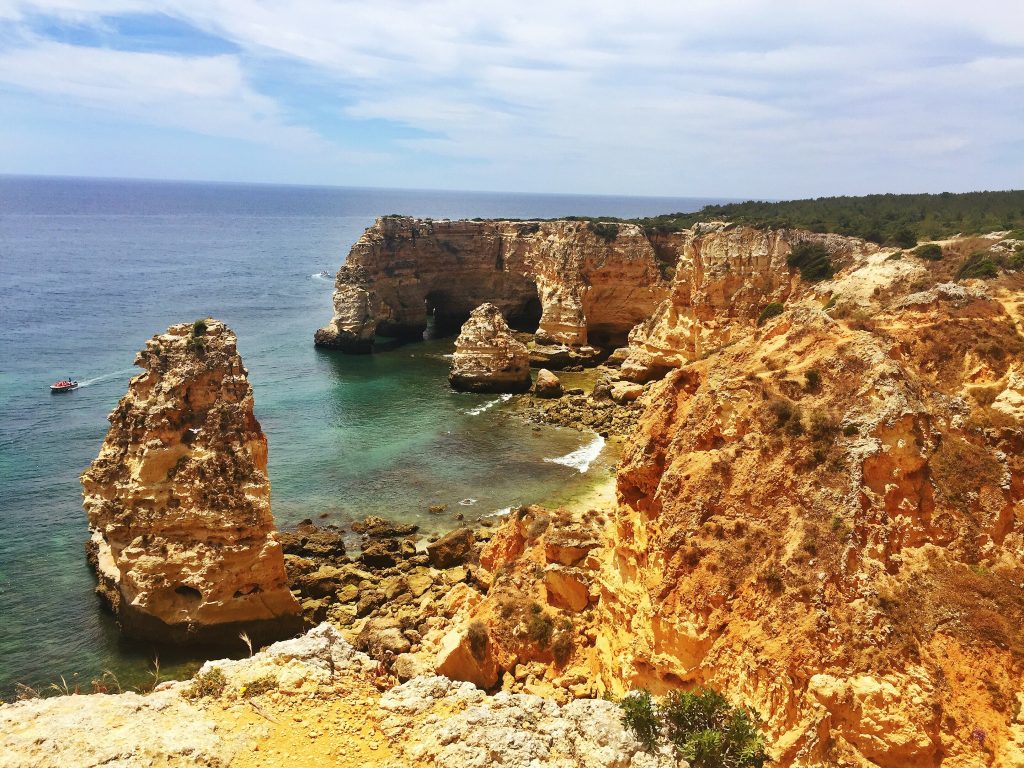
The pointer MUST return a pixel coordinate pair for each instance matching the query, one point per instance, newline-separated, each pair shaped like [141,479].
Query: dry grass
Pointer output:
[960,469]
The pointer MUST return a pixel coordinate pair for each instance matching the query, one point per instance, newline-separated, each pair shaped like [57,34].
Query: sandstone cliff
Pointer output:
[178,499]
[823,516]
[821,513]
[571,284]
[487,356]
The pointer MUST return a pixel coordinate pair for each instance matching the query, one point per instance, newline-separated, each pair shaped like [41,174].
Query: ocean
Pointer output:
[90,269]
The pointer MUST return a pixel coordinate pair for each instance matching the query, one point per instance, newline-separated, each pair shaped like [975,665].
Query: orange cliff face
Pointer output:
[821,513]
[558,278]
[823,516]
[178,499]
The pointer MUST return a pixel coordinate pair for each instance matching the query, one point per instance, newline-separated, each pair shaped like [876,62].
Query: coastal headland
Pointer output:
[819,513]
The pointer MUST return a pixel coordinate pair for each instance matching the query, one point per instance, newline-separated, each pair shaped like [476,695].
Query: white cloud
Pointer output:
[683,92]
[206,95]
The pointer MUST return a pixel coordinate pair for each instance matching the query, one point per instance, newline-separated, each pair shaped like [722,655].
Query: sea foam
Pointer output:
[582,457]
[488,405]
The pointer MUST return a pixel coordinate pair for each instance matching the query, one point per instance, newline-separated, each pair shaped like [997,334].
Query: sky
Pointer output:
[716,98]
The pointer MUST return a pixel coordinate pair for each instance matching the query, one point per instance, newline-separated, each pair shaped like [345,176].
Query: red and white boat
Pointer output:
[64,385]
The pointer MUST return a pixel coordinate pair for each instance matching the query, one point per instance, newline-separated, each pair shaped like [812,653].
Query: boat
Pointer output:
[64,385]
[325,274]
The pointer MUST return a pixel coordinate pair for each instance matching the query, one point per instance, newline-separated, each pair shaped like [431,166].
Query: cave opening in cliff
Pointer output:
[527,316]
[607,336]
[444,317]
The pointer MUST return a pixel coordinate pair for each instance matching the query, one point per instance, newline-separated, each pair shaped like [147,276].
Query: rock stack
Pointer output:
[178,500]
[487,356]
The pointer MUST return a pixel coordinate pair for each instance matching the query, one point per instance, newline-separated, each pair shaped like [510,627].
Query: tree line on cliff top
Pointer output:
[900,220]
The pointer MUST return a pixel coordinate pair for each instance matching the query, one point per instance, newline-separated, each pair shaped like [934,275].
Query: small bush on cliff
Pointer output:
[540,626]
[562,646]
[640,715]
[772,310]
[209,683]
[812,260]
[960,469]
[701,726]
[978,265]
[478,640]
[605,230]
[259,686]
[928,252]
[198,328]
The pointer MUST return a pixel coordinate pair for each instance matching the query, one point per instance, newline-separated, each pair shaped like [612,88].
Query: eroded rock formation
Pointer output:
[725,277]
[488,358]
[178,500]
[821,514]
[824,516]
[571,285]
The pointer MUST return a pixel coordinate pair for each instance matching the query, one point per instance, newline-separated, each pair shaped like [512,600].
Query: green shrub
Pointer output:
[209,683]
[701,726]
[605,230]
[198,328]
[812,260]
[772,310]
[1015,262]
[812,380]
[903,238]
[929,252]
[978,265]
[640,715]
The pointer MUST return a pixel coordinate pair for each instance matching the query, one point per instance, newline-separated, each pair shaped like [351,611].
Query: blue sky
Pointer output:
[731,98]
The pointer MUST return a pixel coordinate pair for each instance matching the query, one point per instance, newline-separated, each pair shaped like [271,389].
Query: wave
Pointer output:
[488,405]
[582,457]
[321,276]
[499,512]
[467,502]
[104,377]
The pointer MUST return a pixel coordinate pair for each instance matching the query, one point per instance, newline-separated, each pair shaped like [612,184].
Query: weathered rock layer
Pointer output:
[561,279]
[488,358]
[178,500]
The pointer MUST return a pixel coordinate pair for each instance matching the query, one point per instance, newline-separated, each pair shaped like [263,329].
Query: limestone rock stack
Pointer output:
[487,356]
[178,500]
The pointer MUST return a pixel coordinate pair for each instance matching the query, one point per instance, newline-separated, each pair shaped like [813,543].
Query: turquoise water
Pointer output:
[90,269]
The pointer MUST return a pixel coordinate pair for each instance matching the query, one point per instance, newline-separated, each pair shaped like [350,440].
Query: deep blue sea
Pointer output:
[89,269]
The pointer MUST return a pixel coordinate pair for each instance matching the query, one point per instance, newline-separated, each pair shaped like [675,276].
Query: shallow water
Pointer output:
[90,269]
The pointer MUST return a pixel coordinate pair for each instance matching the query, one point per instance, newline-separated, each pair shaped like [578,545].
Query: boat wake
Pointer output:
[488,405]
[327,278]
[582,457]
[104,377]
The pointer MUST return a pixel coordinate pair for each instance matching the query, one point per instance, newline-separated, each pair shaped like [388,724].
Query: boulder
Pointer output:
[626,392]
[487,357]
[382,636]
[567,588]
[452,549]
[378,528]
[547,384]
[311,541]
